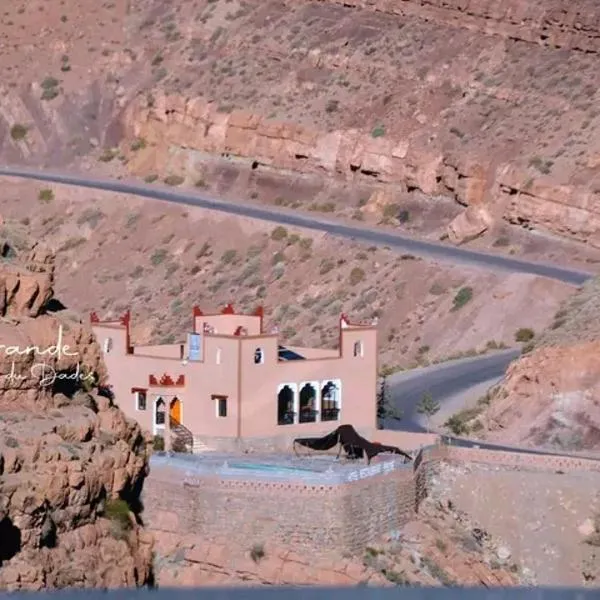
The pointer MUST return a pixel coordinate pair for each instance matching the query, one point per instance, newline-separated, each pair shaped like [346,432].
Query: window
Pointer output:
[330,401]
[221,406]
[140,400]
[308,401]
[285,405]
[358,349]
[108,344]
[218,356]
[259,356]
[160,412]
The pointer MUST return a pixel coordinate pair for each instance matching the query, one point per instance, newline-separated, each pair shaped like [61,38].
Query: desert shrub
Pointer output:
[92,216]
[279,233]
[396,577]
[356,276]
[501,242]
[49,88]
[158,256]
[524,334]
[229,256]
[138,144]
[326,266]
[46,195]
[137,272]
[404,216]
[379,131]
[527,348]
[151,178]
[332,106]
[49,83]
[118,512]
[257,552]
[278,257]
[108,154]
[463,296]
[11,442]
[18,132]
[391,211]
[458,423]
[201,183]
[306,243]
[174,180]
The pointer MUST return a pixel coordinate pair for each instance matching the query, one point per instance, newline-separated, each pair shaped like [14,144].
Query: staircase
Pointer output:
[199,447]
[181,436]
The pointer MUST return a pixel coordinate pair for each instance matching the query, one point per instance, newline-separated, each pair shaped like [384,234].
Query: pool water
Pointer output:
[266,468]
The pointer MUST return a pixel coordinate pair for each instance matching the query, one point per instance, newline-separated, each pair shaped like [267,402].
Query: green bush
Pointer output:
[18,132]
[158,256]
[46,195]
[356,276]
[379,131]
[174,180]
[229,256]
[118,512]
[257,552]
[279,233]
[464,296]
[524,334]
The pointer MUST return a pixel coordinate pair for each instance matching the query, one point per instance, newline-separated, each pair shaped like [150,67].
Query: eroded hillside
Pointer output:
[110,261]
[492,106]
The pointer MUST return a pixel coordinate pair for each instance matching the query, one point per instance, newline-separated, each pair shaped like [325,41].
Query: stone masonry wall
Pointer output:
[313,518]
[376,506]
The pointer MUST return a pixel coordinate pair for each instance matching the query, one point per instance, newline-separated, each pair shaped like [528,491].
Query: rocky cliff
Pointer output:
[71,464]
[551,395]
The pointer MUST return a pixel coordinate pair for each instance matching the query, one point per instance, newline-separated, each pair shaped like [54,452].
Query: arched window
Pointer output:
[308,403]
[161,408]
[285,405]
[358,349]
[259,356]
[330,401]
[218,356]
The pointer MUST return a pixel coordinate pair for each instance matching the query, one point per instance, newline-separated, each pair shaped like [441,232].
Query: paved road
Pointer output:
[437,251]
[442,381]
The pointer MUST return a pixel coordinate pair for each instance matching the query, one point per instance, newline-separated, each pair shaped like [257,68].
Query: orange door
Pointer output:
[175,410]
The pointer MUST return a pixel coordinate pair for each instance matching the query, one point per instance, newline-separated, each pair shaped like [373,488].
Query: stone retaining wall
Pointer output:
[314,518]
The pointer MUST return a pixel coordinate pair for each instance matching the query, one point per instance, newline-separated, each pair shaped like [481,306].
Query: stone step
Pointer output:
[199,447]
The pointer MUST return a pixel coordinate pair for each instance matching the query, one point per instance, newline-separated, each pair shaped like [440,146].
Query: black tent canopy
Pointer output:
[354,445]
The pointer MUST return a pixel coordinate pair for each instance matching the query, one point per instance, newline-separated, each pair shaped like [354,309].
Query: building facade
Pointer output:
[230,379]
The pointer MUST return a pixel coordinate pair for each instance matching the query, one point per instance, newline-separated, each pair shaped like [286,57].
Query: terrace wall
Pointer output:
[315,518]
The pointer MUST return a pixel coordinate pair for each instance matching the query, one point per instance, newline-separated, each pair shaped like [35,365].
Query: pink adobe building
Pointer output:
[230,379]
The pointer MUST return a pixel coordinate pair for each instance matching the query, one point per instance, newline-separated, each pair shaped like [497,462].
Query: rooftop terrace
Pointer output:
[315,470]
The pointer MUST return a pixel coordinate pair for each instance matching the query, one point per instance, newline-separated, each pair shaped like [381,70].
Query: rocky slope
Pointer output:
[551,395]
[491,106]
[71,464]
[441,547]
[108,264]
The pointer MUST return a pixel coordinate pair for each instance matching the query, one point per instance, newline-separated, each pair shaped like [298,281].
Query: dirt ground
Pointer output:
[536,515]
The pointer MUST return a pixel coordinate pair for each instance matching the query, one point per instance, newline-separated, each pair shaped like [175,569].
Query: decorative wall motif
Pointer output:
[166,381]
